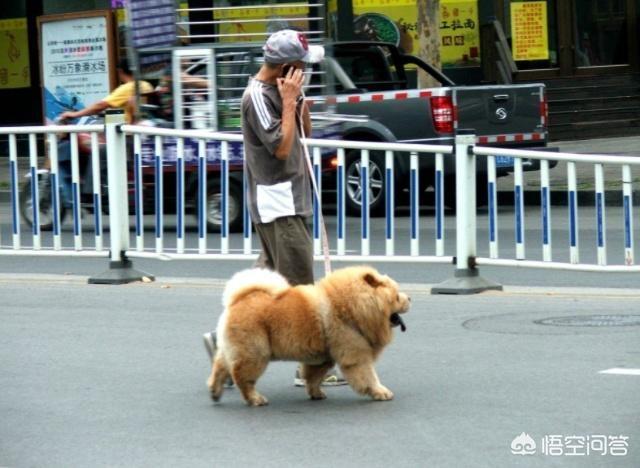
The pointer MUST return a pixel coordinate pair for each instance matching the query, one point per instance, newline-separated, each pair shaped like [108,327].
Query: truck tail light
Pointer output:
[544,110]
[442,113]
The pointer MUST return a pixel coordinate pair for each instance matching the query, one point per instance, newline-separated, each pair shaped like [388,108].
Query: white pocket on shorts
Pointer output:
[275,201]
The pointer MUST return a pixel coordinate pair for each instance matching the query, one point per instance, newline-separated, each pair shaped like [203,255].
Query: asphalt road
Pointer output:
[115,376]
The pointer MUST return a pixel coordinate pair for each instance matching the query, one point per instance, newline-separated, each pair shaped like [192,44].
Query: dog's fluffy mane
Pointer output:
[256,279]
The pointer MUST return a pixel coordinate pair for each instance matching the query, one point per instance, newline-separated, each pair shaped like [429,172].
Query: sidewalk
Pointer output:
[629,146]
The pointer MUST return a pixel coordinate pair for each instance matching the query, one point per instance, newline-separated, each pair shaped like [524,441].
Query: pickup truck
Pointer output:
[370,84]
[375,84]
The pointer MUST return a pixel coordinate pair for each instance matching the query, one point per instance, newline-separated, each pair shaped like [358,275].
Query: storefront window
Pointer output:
[601,33]
[578,33]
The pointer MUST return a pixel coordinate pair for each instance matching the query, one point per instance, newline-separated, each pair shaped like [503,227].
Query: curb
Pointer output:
[218,284]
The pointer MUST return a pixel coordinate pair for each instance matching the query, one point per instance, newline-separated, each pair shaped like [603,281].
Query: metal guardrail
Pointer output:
[414,150]
[625,162]
[52,133]
[465,152]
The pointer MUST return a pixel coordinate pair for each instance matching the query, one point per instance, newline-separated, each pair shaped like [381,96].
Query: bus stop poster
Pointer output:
[529,31]
[14,54]
[76,61]
[397,21]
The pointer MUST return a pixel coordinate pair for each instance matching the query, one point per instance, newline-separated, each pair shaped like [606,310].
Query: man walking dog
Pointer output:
[279,186]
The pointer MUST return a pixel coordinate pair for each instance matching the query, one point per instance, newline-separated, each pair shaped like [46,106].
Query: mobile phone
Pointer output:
[285,70]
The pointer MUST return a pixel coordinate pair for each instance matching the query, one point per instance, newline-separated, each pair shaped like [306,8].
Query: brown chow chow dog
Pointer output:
[345,318]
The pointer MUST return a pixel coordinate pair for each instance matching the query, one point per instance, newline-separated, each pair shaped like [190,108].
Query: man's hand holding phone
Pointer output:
[290,85]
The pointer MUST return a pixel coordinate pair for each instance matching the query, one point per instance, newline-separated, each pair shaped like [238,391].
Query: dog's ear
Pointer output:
[372,279]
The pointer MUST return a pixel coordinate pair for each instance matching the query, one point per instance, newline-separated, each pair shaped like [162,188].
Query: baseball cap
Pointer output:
[288,46]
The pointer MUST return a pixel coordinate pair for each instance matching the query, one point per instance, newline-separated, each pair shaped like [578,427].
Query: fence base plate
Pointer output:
[120,272]
[466,281]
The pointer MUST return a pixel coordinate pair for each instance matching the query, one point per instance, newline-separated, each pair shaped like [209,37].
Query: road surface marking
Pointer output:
[620,371]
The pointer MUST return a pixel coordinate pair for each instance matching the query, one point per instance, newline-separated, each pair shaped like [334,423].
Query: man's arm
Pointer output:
[289,88]
[94,108]
[193,81]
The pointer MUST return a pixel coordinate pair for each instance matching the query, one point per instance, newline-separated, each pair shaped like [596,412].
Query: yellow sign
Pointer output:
[253,24]
[529,31]
[14,54]
[459,36]
[382,3]
[397,21]
[121,15]
[252,13]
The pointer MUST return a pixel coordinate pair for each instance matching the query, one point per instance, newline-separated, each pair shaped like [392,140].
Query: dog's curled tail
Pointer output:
[250,280]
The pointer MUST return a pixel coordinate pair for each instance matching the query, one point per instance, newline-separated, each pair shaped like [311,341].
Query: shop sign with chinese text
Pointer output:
[459,36]
[14,54]
[529,31]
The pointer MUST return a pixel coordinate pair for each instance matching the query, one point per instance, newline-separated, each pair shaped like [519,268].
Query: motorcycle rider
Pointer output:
[123,97]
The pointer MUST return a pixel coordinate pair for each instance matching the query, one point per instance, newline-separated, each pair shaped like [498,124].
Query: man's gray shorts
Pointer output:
[287,248]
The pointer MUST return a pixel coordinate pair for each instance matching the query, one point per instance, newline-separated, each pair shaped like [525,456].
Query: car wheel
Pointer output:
[353,182]
[214,207]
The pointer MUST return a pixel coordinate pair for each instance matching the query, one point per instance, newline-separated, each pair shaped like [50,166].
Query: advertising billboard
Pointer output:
[76,61]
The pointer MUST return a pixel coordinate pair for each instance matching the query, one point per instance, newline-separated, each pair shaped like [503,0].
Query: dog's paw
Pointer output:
[382,393]
[317,395]
[257,400]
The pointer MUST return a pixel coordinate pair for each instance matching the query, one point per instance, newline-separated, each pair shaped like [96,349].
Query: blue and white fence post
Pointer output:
[120,269]
[627,203]
[518,190]
[15,192]
[466,278]
[601,223]
[414,190]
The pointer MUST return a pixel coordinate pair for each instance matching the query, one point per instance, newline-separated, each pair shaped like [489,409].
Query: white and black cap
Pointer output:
[288,46]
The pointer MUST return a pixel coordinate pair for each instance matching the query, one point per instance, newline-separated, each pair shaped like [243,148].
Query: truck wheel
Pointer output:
[482,193]
[353,182]
[45,206]
[214,207]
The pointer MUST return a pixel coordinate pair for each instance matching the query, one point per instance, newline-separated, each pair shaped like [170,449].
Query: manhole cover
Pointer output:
[592,321]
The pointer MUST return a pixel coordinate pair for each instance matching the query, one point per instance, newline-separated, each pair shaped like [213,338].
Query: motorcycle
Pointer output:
[46,207]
